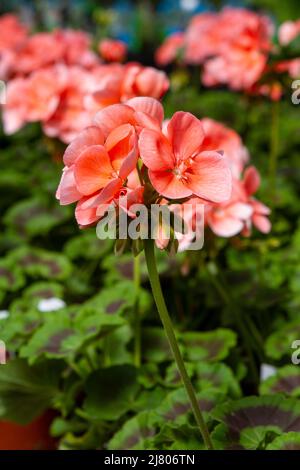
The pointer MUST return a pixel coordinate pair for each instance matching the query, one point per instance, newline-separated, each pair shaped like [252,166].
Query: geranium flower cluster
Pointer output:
[57,80]
[131,155]
[234,48]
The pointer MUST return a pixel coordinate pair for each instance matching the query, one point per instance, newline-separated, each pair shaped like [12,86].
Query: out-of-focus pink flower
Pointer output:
[241,211]
[202,38]
[292,67]
[169,50]
[238,68]
[44,49]
[31,99]
[220,137]
[178,165]
[117,83]
[13,33]
[260,212]
[288,31]
[143,81]
[112,50]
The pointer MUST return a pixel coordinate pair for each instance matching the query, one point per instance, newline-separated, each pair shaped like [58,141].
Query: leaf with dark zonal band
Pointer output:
[110,393]
[34,217]
[43,290]
[286,380]
[42,263]
[279,344]
[289,441]
[218,376]
[11,276]
[25,392]
[176,408]
[209,346]
[62,334]
[136,434]
[254,422]
[155,345]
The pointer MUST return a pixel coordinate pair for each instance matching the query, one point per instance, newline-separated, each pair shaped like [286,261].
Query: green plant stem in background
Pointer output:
[137,318]
[167,324]
[274,150]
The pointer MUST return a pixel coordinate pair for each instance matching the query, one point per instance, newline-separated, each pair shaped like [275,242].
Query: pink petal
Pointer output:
[225,226]
[262,223]
[210,177]
[155,151]
[130,161]
[85,216]
[168,185]
[149,106]
[251,180]
[239,210]
[90,136]
[114,116]
[186,134]
[67,191]
[93,170]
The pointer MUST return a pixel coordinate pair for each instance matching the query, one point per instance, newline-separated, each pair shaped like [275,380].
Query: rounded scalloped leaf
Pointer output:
[286,380]
[11,276]
[211,346]
[110,393]
[42,263]
[289,441]
[155,345]
[136,434]
[43,290]
[33,217]
[65,332]
[87,246]
[253,422]
[218,376]
[279,344]
[175,409]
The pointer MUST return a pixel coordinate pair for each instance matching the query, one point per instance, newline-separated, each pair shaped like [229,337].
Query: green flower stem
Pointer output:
[137,319]
[274,149]
[167,324]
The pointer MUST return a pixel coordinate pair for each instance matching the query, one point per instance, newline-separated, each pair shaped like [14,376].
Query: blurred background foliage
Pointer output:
[142,24]
[235,304]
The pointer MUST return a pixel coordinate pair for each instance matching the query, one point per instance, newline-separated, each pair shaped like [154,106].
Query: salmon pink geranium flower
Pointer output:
[179,166]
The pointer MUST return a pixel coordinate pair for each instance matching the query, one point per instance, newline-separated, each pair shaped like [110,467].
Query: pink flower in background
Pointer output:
[292,67]
[13,33]
[238,68]
[218,136]
[233,46]
[288,31]
[242,211]
[260,212]
[112,50]
[170,49]
[143,81]
[202,38]
[179,167]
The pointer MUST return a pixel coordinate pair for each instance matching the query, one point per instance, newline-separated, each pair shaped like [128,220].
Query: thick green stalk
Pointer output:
[167,324]
[137,319]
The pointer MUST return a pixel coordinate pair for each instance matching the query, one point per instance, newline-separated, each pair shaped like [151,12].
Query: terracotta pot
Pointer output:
[33,436]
